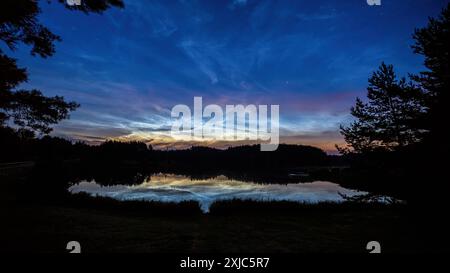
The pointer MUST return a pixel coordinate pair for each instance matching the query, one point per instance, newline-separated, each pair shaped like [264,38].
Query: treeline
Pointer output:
[243,158]
[17,147]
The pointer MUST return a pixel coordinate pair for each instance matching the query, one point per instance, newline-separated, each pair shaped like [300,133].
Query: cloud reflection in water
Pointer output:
[176,188]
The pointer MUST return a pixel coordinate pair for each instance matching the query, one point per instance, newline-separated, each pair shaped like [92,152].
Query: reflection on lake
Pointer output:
[177,188]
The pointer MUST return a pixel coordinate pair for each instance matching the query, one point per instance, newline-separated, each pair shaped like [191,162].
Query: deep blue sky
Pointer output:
[129,67]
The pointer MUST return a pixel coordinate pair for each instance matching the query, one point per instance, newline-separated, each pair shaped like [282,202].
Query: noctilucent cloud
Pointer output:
[128,68]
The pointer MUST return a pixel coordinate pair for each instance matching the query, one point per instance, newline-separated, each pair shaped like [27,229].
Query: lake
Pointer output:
[178,188]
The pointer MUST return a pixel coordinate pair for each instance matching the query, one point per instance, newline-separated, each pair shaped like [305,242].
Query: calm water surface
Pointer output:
[177,188]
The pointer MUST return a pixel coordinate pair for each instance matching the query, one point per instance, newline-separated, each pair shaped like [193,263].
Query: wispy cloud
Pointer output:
[128,67]
[200,57]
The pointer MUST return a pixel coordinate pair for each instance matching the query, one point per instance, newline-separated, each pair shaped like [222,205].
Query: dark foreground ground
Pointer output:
[103,225]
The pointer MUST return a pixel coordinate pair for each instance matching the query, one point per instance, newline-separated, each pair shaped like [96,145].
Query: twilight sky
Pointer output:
[128,68]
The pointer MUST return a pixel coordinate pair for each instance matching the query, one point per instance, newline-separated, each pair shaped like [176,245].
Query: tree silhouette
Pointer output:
[388,120]
[433,42]
[19,24]
[400,113]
